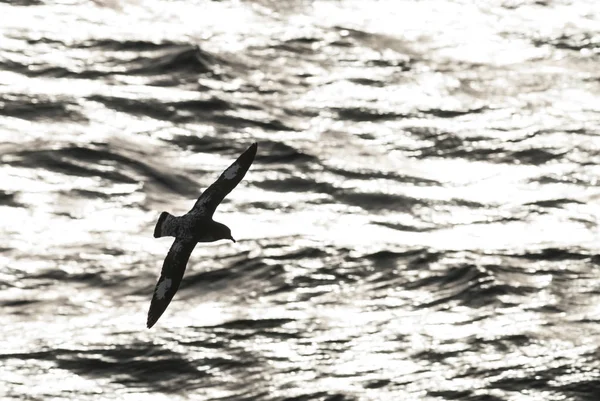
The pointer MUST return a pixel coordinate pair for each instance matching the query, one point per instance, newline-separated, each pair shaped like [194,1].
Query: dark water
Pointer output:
[420,223]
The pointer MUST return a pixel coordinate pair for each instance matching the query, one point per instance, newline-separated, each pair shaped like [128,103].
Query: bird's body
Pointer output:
[195,226]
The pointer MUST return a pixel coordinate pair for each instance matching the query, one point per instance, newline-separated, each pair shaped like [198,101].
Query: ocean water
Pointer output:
[420,222]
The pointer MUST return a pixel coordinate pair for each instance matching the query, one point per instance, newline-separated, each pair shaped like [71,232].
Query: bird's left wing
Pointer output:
[214,195]
[170,278]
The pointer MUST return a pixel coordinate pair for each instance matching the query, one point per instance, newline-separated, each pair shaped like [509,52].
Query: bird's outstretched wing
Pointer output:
[214,195]
[170,277]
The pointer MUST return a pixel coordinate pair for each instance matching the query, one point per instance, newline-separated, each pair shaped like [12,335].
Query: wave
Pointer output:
[102,161]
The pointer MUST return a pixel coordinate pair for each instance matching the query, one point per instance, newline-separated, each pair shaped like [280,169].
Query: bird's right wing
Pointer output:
[229,179]
[170,278]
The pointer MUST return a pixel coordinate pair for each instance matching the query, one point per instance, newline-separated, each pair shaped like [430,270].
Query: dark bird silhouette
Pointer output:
[195,226]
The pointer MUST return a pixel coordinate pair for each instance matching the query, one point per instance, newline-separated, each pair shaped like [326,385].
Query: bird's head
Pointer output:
[223,232]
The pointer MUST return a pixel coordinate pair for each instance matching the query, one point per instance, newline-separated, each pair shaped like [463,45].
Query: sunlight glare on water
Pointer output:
[420,220]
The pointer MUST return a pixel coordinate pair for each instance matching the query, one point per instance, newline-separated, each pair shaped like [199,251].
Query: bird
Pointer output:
[195,226]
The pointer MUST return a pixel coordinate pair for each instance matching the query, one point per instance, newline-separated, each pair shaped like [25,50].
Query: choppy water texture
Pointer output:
[421,221]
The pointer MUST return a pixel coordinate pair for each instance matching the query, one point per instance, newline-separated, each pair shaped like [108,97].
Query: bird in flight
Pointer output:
[195,226]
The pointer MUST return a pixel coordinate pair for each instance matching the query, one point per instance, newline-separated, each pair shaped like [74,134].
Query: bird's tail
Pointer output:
[165,226]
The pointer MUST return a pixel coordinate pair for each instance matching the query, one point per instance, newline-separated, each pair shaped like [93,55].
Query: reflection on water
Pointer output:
[420,221]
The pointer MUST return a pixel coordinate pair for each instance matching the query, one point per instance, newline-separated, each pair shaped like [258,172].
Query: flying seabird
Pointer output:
[195,226]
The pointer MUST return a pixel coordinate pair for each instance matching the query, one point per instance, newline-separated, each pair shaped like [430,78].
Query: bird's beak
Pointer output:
[231,238]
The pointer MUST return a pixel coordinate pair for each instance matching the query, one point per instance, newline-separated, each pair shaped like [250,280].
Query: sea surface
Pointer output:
[421,221]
